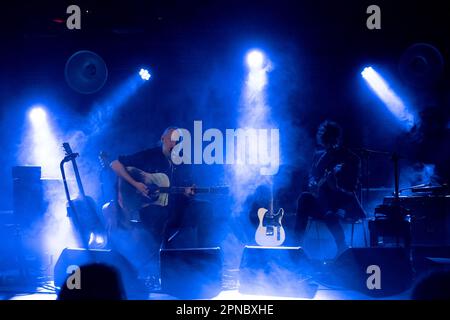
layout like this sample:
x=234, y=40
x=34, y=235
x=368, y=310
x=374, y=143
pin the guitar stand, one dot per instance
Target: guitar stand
x=366, y=155
x=168, y=238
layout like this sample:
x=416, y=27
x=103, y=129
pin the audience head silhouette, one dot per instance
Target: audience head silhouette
x=98, y=282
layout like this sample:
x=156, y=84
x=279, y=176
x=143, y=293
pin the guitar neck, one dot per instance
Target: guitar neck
x=271, y=197
x=78, y=178
x=183, y=190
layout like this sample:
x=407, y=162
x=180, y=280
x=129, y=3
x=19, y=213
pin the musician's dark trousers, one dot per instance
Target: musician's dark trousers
x=166, y=223
x=195, y=214
x=310, y=206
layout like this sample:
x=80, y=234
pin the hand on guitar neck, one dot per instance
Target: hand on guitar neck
x=190, y=191
x=154, y=189
x=145, y=191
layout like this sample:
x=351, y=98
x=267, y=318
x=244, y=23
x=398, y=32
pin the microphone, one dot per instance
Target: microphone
x=70, y=157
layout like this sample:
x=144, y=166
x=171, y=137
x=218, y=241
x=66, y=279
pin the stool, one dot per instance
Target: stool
x=343, y=221
x=400, y=229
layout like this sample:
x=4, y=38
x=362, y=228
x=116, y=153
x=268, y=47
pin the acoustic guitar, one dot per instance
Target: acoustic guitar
x=159, y=188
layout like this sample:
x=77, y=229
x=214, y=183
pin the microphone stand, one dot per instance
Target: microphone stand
x=395, y=158
x=393, y=215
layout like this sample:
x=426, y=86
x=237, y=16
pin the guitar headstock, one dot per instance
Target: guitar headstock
x=67, y=148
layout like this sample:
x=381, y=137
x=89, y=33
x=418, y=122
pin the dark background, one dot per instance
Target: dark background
x=195, y=51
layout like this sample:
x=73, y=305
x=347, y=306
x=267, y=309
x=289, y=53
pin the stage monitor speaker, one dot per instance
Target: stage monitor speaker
x=279, y=271
x=374, y=271
x=191, y=273
x=82, y=257
x=424, y=258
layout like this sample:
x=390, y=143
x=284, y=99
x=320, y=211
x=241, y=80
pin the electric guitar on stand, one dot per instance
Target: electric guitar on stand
x=270, y=231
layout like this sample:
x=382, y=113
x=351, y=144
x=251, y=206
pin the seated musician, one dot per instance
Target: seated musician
x=162, y=215
x=332, y=184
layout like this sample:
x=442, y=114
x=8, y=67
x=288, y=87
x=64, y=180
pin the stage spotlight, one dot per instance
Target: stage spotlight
x=388, y=96
x=102, y=114
x=40, y=146
x=145, y=75
x=255, y=59
x=38, y=116
x=41, y=142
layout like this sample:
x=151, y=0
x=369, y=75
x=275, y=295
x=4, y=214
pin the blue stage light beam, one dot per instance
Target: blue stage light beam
x=255, y=59
x=41, y=146
x=394, y=104
x=103, y=112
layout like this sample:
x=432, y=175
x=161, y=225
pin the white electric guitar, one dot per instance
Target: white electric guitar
x=270, y=231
